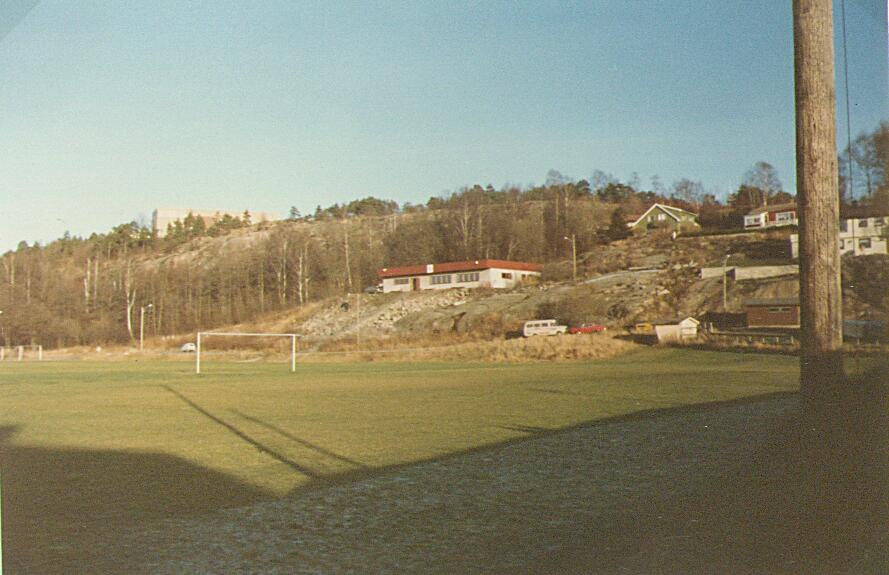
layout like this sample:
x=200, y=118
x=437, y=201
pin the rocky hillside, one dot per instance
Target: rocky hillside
x=626, y=281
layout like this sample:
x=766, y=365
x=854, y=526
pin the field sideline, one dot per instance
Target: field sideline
x=90, y=447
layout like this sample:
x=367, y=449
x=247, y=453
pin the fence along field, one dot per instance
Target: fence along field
x=88, y=449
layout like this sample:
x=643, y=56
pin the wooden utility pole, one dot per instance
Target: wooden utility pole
x=821, y=361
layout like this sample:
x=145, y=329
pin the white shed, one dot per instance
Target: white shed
x=677, y=331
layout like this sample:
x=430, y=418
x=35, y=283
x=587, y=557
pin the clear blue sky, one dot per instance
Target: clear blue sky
x=110, y=109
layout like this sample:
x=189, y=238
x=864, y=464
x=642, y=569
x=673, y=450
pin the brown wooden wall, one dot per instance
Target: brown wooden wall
x=770, y=316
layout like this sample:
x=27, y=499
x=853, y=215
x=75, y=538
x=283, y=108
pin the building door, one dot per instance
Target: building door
x=415, y=284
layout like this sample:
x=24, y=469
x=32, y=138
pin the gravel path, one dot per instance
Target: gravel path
x=587, y=499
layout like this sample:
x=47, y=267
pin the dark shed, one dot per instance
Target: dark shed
x=772, y=312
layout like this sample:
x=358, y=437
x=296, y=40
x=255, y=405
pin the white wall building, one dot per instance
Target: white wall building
x=677, y=331
x=771, y=217
x=162, y=217
x=858, y=236
x=470, y=274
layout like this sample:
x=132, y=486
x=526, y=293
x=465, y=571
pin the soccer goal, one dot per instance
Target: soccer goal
x=22, y=352
x=202, y=335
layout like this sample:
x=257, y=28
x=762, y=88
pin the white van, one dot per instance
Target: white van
x=543, y=327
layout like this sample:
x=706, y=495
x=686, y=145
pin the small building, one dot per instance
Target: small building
x=865, y=234
x=661, y=216
x=771, y=217
x=772, y=312
x=469, y=274
x=676, y=331
x=865, y=330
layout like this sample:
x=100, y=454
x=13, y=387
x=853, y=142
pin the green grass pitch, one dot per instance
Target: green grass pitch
x=88, y=447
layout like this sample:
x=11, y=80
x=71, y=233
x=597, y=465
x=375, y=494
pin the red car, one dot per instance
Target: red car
x=587, y=328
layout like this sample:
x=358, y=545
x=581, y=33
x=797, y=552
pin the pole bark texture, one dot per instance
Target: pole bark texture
x=821, y=365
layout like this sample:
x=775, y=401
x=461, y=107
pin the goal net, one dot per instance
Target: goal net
x=33, y=352
x=204, y=335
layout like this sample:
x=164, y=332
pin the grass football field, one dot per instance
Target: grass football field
x=93, y=447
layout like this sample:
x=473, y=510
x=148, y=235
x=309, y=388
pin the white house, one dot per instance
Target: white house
x=771, y=217
x=858, y=236
x=470, y=274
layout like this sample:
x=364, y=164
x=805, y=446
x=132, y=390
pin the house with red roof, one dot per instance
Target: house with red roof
x=468, y=274
x=771, y=217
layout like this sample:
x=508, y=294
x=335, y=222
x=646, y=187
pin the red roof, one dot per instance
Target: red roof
x=452, y=267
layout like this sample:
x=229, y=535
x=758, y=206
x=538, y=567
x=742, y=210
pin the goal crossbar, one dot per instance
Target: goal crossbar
x=292, y=336
x=18, y=351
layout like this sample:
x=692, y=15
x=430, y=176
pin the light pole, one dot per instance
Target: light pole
x=142, y=325
x=573, y=240
x=358, y=320
x=725, y=282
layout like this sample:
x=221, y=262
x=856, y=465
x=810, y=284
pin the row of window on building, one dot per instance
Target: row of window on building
x=462, y=278
x=446, y=278
x=862, y=223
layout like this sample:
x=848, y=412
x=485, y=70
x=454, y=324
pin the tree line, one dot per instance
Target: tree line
x=92, y=291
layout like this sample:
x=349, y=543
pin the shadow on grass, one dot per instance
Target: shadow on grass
x=237, y=432
x=307, y=444
x=812, y=497
x=62, y=508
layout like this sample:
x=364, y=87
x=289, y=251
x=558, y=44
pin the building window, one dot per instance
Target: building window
x=785, y=217
x=862, y=223
x=842, y=244
x=844, y=225
x=402, y=281
x=466, y=277
x=440, y=280
x=779, y=309
x=864, y=244
x=878, y=222
x=661, y=217
x=506, y=275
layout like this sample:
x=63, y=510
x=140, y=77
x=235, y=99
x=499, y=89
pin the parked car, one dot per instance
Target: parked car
x=543, y=327
x=587, y=328
x=189, y=347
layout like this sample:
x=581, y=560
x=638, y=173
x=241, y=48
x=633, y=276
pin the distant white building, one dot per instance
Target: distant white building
x=676, y=330
x=163, y=217
x=470, y=274
x=858, y=236
x=771, y=217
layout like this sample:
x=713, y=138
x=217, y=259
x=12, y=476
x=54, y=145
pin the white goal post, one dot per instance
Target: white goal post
x=18, y=352
x=292, y=336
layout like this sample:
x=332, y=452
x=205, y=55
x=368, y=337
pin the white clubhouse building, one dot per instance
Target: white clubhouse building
x=469, y=274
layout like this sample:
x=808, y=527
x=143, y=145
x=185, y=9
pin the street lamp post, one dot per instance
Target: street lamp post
x=142, y=325
x=573, y=240
x=725, y=282
x=358, y=320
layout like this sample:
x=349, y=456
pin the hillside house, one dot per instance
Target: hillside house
x=866, y=234
x=771, y=217
x=470, y=274
x=661, y=216
x=782, y=312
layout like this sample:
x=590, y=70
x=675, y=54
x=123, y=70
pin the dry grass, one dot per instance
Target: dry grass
x=457, y=348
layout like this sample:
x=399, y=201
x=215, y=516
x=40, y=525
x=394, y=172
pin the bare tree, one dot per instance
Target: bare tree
x=688, y=191
x=764, y=177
